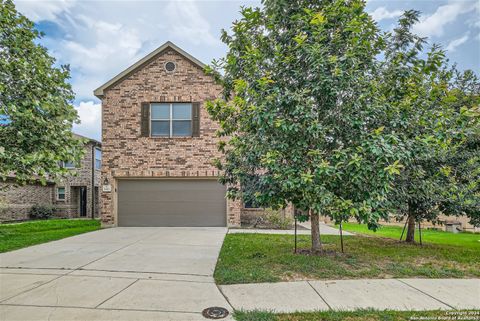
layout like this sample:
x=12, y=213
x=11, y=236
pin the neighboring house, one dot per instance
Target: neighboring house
x=74, y=196
x=159, y=143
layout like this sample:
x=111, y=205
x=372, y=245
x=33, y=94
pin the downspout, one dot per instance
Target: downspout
x=93, y=181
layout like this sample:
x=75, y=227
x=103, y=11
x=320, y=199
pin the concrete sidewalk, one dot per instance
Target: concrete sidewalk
x=303, y=230
x=381, y=294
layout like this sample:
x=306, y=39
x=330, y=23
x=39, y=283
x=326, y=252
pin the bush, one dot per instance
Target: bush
x=41, y=212
x=277, y=219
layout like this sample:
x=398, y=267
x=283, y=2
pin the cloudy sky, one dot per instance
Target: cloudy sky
x=99, y=39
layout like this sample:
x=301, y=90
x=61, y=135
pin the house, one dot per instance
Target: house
x=74, y=196
x=159, y=143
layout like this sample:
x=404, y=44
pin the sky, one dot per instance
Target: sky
x=99, y=39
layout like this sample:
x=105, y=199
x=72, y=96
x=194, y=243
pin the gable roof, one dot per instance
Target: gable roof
x=90, y=140
x=99, y=91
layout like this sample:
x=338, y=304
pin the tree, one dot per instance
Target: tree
x=434, y=115
x=36, y=114
x=297, y=110
x=463, y=166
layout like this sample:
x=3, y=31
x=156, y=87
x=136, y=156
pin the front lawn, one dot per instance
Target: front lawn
x=17, y=235
x=469, y=240
x=250, y=258
x=361, y=315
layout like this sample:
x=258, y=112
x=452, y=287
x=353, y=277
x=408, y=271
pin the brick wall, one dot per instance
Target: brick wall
x=16, y=201
x=127, y=154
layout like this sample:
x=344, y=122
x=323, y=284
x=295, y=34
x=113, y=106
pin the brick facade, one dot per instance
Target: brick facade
x=16, y=201
x=127, y=154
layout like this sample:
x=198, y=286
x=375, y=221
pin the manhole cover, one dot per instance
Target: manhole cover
x=215, y=313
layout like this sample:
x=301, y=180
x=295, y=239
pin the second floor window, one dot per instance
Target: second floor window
x=98, y=158
x=68, y=164
x=171, y=119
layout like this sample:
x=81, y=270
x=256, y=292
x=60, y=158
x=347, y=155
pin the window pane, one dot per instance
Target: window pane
x=250, y=204
x=182, y=128
x=69, y=164
x=61, y=193
x=182, y=111
x=160, y=128
x=98, y=158
x=160, y=111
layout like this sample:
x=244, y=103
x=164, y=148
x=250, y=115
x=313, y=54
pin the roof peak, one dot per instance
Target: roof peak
x=100, y=90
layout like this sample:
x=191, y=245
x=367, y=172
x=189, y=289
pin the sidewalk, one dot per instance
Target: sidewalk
x=381, y=294
x=302, y=230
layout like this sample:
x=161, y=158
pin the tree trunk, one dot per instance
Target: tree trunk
x=316, y=240
x=410, y=229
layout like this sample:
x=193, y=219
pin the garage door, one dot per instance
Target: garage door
x=171, y=202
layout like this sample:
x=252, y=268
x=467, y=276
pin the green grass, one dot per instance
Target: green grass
x=251, y=258
x=360, y=315
x=18, y=235
x=469, y=240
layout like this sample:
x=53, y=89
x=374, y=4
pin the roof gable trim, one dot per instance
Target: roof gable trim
x=99, y=92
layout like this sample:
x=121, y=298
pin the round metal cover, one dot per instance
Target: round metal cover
x=215, y=313
x=170, y=66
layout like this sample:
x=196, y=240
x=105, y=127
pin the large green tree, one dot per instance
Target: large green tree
x=434, y=111
x=462, y=167
x=36, y=114
x=298, y=112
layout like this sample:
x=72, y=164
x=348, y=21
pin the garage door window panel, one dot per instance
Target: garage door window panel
x=171, y=119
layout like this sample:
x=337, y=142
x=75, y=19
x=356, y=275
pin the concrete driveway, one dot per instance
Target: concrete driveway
x=114, y=274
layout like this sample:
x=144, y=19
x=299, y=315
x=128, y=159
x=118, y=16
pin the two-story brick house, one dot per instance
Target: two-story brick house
x=158, y=145
x=76, y=195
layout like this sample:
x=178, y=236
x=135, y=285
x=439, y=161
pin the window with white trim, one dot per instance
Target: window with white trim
x=171, y=119
x=61, y=193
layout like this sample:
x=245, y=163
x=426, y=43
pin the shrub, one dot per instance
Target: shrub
x=41, y=212
x=277, y=219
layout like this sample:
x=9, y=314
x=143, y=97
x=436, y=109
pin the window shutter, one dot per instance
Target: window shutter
x=196, y=119
x=145, y=120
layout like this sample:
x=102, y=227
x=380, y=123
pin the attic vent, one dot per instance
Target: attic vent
x=170, y=66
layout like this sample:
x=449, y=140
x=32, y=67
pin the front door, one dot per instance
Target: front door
x=83, y=201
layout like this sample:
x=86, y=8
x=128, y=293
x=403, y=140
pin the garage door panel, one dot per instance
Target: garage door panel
x=184, y=202
x=172, y=196
x=172, y=220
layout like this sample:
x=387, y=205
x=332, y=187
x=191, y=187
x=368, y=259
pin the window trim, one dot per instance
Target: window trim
x=171, y=120
x=64, y=194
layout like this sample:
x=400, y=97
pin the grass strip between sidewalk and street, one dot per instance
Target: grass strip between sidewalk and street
x=360, y=315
